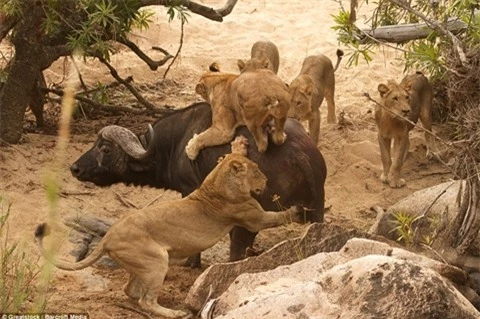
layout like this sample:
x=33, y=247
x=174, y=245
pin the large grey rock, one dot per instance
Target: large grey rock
x=439, y=206
x=365, y=279
x=317, y=238
x=440, y=200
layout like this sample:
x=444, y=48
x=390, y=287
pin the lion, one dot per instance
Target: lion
x=411, y=98
x=253, y=98
x=144, y=242
x=315, y=82
x=264, y=55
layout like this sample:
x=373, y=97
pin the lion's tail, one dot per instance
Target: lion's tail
x=98, y=252
x=339, y=59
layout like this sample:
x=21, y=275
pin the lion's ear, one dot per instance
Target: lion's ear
x=201, y=89
x=383, y=89
x=309, y=90
x=214, y=67
x=237, y=166
x=407, y=85
x=241, y=65
x=266, y=63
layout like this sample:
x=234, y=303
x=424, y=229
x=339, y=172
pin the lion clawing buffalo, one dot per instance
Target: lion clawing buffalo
x=295, y=170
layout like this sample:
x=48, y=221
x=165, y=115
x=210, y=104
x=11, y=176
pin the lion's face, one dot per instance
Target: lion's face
x=243, y=177
x=300, y=99
x=395, y=97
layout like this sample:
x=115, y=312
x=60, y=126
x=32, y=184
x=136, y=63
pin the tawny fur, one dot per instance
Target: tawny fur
x=412, y=98
x=264, y=55
x=315, y=82
x=144, y=242
x=252, y=98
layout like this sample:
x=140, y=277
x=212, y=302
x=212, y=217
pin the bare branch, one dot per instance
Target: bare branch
x=367, y=95
x=227, y=8
x=178, y=51
x=130, y=87
x=152, y=64
x=436, y=26
x=207, y=12
x=114, y=109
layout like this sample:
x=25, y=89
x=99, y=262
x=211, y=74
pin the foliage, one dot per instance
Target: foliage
x=104, y=21
x=427, y=54
x=18, y=272
x=404, y=227
x=409, y=228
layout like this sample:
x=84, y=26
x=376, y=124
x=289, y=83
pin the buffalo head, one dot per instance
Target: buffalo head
x=117, y=153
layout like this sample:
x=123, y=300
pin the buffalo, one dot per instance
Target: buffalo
x=295, y=170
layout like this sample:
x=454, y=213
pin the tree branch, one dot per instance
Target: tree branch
x=130, y=87
x=207, y=12
x=436, y=26
x=107, y=108
x=152, y=64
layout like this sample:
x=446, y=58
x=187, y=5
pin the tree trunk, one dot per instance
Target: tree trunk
x=31, y=57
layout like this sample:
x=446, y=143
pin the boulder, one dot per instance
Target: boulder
x=317, y=238
x=365, y=279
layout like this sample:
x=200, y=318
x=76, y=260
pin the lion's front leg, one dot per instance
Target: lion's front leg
x=384, y=144
x=259, y=135
x=314, y=126
x=399, y=153
x=257, y=220
x=221, y=132
x=278, y=134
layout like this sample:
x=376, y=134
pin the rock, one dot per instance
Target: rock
x=417, y=203
x=440, y=206
x=87, y=231
x=317, y=238
x=385, y=283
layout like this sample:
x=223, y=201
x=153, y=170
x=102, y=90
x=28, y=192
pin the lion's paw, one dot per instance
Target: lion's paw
x=384, y=178
x=239, y=145
x=191, y=149
x=279, y=139
x=397, y=183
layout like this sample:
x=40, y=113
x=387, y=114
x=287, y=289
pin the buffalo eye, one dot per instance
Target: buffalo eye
x=105, y=149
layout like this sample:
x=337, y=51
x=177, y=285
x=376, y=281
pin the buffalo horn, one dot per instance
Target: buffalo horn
x=128, y=141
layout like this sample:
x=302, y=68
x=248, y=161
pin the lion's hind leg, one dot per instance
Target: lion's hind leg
x=134, y=287
x=148, y=266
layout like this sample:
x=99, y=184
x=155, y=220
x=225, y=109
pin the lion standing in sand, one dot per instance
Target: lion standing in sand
x=315, y=82
x=412, y=98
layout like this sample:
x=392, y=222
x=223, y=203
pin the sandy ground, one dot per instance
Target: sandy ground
x=299, y=29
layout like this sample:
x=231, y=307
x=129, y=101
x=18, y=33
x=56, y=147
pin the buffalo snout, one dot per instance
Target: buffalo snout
x=76, y=170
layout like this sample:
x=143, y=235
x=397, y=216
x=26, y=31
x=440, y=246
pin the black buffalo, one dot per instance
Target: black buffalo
x=295, y=170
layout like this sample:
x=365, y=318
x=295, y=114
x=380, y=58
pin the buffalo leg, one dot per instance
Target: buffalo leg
x=240, y=240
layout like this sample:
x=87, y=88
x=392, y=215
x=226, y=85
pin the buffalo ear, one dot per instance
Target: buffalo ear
x=383, y=89
x=241, y=65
